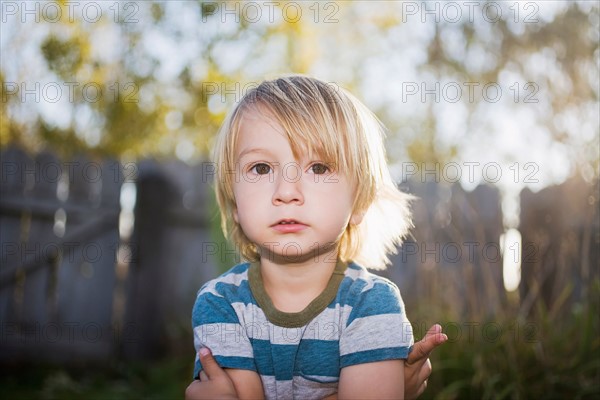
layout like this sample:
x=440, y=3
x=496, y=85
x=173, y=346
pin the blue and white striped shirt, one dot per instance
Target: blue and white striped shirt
x=365, y=322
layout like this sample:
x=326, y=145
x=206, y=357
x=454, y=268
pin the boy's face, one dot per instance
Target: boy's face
x=292, y=209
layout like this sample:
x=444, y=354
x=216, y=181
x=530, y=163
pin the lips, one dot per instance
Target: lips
x=288, y=225
x=287, y=221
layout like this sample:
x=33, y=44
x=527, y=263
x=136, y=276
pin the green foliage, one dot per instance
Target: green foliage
x=223, y=259
x=554, y=354
x=165, y=379
x=64, y=57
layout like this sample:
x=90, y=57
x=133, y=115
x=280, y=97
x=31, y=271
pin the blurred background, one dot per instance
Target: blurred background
x=108, y=221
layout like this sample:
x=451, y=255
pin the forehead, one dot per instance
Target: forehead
x=258, y=135
x=255, y=121
x=259, y=129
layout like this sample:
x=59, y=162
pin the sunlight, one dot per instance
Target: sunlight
x=510, y=243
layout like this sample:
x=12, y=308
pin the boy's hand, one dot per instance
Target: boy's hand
x=215, y=383
x=417, y=367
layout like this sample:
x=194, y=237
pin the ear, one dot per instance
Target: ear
x=357, y=217
x=235, y=216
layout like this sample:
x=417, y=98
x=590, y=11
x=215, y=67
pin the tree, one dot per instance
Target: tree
x=141, y=79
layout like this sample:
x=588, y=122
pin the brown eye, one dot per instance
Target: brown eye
x=319, y=169
x=261, y=169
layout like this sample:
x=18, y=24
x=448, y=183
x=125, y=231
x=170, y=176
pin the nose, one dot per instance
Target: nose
x=288, y=189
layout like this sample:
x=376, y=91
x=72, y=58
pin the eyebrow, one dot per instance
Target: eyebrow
x=254, y=150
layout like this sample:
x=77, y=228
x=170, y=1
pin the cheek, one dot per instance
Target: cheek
x=250, y=200
x=339, y=193
x=334, y=201
x=242, y=216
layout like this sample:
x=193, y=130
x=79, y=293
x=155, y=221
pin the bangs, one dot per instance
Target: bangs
x=318, y=121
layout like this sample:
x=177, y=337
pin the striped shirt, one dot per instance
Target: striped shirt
x=359, y=318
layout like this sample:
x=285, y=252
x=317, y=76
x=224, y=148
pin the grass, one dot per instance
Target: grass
x=553, y=354
x=166, y=379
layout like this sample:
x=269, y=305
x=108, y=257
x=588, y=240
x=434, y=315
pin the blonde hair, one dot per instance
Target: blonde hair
x=321, y=118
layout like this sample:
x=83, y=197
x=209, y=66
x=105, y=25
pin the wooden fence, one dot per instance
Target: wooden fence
x=73, y=287
x=453, y=255
x=560, y=228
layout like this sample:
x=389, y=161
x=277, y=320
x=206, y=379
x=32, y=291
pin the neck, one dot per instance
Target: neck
x=306, y=278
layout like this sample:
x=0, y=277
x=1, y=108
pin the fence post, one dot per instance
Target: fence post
x=149, y=263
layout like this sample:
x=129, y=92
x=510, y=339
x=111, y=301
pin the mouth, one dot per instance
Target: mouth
x=288, y=221
x=289, y=225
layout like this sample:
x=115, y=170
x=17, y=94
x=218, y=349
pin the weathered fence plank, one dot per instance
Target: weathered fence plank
x=560, y=231
x=86, y=278
x=42, y=246
x=12, y=188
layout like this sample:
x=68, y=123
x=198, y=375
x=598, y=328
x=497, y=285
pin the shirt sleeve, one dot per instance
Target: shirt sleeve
x=377, y=328
x=217, y=326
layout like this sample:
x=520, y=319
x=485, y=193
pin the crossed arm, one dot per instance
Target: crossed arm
x=384, y=379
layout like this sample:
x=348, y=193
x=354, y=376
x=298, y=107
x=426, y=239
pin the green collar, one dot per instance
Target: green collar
x=297, y=319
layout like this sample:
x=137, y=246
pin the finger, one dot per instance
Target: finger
x=192, y=390
x=435, y=332
x=420, y=353
x=209, y=364
x=419, y=391
x=422, y=389
x=425, y=371
x=203, y=376
x=423, y=348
